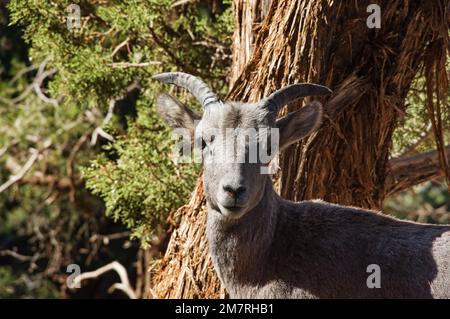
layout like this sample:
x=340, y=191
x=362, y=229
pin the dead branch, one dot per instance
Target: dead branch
x=70, y=166
x=112, y=103
x=30, y=87
x=159, y=42
x=23, y=72
x=99, y=130
x=25, y=168
x=124, y=285
x=107, y=238
x=407, y=171
x=412, y=149
x=3, y=150
x=121, y=45
x=124, y=65
x=37, y=83
x=15, y=255
x=180, y=3
x=60, y=183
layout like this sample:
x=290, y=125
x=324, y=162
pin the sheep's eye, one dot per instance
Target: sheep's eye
x=203, y=144
x=210, y=139
x=268, y=148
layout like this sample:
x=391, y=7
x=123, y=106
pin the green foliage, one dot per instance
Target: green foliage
x=416, y=122
x=144, y=185
x=154, y=33
x=427, y=203
x=133, y=178
x=119, y=43
x=13, y=285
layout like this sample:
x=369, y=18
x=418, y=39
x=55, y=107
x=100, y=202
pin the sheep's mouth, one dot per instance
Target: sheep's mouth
x=232, y=211
x=233, y=208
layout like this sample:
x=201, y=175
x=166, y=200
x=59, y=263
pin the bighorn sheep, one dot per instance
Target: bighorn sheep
x=263, y=246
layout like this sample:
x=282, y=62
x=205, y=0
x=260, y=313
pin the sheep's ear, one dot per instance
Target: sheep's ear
x=175, y=113
x=299, y=124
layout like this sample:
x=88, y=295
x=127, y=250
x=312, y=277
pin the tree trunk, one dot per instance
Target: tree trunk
x=248, y=15
x=347, y=160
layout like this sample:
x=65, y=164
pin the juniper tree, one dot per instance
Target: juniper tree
x=358, y=157
x=82, y=99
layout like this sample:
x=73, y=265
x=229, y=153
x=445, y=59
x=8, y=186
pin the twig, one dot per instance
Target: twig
x=124, y=285
x=3, y=150
x=106, y=238
x=112, y=103
x=209, y=44
x=407, y=171
x=22, y=258
x=15, y=178
x=70, y=161
x=16, y=255
x=25, y=168
x=180, y=3
x=6, y=101
x=172, y=56
x=22, y=96
x=37, y=86
x=412, y=149
x=22, y=72
x=60, y=183
x=124, y=65
x=123, y=43
x=99, y=130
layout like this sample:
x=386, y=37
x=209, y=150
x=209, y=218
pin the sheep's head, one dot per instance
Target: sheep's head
x=237, y=140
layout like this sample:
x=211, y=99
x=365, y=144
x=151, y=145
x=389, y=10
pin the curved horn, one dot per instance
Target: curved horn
x=194, y=85
x=293, y=92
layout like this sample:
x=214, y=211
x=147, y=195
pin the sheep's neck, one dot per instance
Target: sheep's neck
x=239, y=248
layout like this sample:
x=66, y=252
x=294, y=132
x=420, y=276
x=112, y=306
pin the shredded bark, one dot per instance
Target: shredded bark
x=347, y=160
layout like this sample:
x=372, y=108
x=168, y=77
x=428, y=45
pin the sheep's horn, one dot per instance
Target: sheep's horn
x=293, y=92
x=194, y=85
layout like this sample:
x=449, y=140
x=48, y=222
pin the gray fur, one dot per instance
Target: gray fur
x=263, y=246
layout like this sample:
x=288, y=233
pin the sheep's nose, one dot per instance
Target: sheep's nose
x=234, y=191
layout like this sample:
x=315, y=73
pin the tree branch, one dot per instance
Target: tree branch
x=185, y=67
x=25, y=168
x=38, y=83
x=15, y=178
x=125, y=65
x=60, y=183
x=411, y=149
x=99, y=130
x=112, y=103
x=121, y=45
x=407, y=171
x=124, y=285
x=23, y=72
